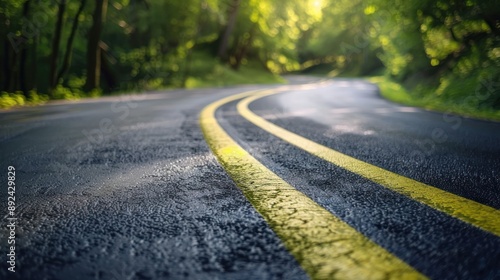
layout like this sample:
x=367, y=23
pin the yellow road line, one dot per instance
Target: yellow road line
x=479, y=215
x=325, y=246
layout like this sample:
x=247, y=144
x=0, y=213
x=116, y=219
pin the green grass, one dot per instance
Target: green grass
x=224, y=76
x=435, y=100
x=206, y=71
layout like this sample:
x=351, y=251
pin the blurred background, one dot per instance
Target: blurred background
x=421, y=52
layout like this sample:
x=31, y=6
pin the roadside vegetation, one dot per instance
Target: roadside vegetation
x=467, y=104
x=442, y=55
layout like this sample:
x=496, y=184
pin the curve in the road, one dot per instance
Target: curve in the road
x=325, y=246
x=469, y=211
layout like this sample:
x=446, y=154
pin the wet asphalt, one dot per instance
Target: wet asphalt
x=126, y=187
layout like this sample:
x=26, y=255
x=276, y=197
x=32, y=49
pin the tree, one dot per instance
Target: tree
x=69, y=45
x=56, y=40
x=13, y=43
x=23, y=83
x=228, y=30
x=93, y=48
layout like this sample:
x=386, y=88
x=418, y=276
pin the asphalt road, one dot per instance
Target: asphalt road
x=128, y=188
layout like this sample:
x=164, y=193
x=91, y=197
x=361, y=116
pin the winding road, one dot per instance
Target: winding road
x=319, y=178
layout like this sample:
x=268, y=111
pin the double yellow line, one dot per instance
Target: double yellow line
x=324, y=245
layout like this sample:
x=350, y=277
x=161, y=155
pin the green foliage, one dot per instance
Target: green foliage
x=16, y=99
x=440, y=50
x=35, y=98
x=395, y=91
x=211, y=73
x=470, y=97
x=61, y=92
x=8, y=100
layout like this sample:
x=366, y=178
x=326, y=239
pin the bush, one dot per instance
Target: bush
x=36, y=98
x=9, y=100
x=61, y=92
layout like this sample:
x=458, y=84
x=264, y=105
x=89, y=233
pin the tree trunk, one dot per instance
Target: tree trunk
x=189, y=57
x=13, y=70
x=69, y=45
x=5, y=77
x=106, y=70
x=93, y=49
x=242, y=52
x=34, y=65
x=56, y=40
x=233, y=12
x=24, y=55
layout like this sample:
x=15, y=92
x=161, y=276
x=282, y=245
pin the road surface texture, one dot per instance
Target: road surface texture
x=315, y=179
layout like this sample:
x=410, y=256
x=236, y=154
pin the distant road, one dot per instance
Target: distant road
x=319, y=178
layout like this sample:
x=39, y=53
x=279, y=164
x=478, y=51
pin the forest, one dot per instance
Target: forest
x=439, y=51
